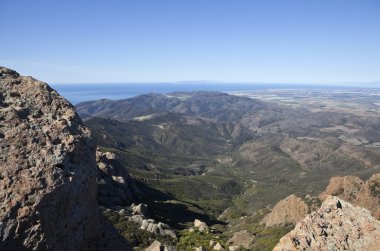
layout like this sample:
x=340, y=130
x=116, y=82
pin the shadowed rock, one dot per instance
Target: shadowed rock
x=47, y=172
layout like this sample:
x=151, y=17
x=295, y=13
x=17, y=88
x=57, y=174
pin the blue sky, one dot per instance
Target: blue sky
x=283, y=41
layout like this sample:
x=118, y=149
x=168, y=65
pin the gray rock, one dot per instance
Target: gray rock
x=158, y=246
x=218, y=247
x=202, y=226
x=140, y=209
x=155, y=246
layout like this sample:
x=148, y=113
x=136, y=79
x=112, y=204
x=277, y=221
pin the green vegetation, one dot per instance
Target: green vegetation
x=375, y=190
x=265, y=237
x=190, y=240
x=140, y=239
x=268, y=238
x=197, y=158
x=137, y=237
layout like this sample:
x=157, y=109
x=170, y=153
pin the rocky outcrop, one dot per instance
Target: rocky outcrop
x=337, y=225
x=200, y=225
x=140, y=209
x=47, y=172
x=289, y=210
x=360, y=193
x=139, y=215
x=115, y=186
x=152, y=226
x=158, y=246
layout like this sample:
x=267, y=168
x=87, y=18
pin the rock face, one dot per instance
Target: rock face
x=289, y=210
x=337, y=225
x=115, y=186
x=47, y=172
x=360, y=193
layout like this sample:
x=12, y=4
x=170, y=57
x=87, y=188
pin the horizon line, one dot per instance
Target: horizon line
x=348, y=83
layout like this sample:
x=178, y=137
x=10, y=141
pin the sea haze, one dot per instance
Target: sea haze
x=77, y=93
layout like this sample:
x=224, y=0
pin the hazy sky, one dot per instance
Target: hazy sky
x=308, y=41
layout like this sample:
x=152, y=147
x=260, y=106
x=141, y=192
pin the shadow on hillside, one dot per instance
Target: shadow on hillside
x=175, y=214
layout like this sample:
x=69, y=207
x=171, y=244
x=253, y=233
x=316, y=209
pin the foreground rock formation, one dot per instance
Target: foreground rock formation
x=47, y=172
x=289, y=210
x=337, y=225
x=360, y=193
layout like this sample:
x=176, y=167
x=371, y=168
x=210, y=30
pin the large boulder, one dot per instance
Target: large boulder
x=289, y=210
x=337, y=225
x=47, y=172
x=200, y=225
x=356, y=191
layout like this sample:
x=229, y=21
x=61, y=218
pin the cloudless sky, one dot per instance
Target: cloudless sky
x=294, y=41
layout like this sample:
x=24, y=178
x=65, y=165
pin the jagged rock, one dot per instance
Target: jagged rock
x=353, y=189
x=337, y=225
x=140, y=209
x=150, y=225
x=202, y=226
x=289, y=210
x=137, y=219
x=47, y=172
x=158, y=246
x=115, y=186
x=242, y=238
x=157, y=228
x=217, y=246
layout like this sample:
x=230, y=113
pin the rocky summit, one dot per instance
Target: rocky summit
x=289, y=210
x=356, y=191
x=47, y=172
x=337, y=225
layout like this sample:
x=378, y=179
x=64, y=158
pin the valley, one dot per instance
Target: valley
x=221, y=157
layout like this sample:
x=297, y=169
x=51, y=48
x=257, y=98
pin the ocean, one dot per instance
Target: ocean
x=77, y=93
